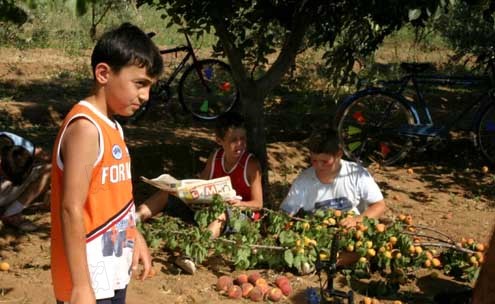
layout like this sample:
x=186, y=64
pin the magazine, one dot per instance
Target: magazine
x=194, y=190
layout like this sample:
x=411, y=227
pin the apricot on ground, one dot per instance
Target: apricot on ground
x=224, y=282
x=260, y=281
x=234, y=292
x=281, y=279
x=256, y=294
x=275, y=294
x=253, y=277
x=4, y=266
x=286, y=288
x=241, y=279
x=246, y=289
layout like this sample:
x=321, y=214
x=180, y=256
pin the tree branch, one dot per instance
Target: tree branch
x=441, y=244
x=232, y=52
x=287, y=53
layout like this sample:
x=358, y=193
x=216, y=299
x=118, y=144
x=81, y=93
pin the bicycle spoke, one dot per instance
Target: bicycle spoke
x=369, y=129
x=213, y=94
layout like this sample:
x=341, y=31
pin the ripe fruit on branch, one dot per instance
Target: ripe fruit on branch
x=380, y=228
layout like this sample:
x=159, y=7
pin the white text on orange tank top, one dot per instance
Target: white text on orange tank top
x=116, y=173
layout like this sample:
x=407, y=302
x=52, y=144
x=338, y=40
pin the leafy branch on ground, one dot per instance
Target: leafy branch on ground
x=282, y=242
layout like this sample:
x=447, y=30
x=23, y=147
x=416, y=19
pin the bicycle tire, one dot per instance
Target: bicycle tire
x=369, y=127
x=485, y=133
x=219, y=97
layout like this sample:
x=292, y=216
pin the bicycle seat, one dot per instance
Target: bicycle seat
x=413, y=68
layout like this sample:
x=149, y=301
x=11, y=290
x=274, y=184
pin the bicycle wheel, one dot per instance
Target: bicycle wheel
x=485, y=133
x=370, y=125
x=212, y=97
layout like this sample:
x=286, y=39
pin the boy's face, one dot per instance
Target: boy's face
x=234, y=142
x=326, y=165
x=127, y=90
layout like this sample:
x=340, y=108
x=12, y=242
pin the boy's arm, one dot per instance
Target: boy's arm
x=79, y=150
x=254, y=178
x=141, y=253
x=374, y=210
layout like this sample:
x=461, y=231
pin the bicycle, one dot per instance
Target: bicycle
x=379, y=124
x=206, y=88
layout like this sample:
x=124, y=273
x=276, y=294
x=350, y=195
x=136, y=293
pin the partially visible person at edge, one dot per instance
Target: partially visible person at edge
x=24, y=176
x=483, y=292
x=332, y=182
x=95, y=244
x=231, y=159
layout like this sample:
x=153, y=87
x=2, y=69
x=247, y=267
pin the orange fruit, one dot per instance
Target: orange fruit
x=393, y=240
x=436, y=262
x=480, y=247
x=4, y=266
x=427, y=263
x=380, y=228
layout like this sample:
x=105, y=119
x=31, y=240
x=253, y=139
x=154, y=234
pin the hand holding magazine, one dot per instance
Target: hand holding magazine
x=194, y=190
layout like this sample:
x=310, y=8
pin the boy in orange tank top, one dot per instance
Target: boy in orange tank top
x=94, y=240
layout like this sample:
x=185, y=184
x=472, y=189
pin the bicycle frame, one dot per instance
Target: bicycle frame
x=189, y=54
x=425, y=117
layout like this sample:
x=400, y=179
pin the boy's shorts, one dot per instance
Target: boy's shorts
x=118, y=298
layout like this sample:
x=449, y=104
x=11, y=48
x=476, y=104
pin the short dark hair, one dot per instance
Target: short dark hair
x=229, y=120
x=17, y=163
x=127, y=45
x=326, y=141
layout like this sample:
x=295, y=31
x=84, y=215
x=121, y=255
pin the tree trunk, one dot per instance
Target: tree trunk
x=252, y=109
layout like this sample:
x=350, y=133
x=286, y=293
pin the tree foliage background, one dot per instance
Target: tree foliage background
x=262, y=39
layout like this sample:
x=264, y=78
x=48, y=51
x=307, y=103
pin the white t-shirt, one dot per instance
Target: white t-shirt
x=352, y=189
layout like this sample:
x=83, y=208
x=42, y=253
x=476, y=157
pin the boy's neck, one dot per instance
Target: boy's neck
x=98, y=101
x=328, y=177
x=228, y=162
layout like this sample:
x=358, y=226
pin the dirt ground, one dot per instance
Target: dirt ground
x=446, y=190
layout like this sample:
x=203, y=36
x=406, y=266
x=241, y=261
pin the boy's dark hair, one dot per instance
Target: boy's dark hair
x=326, y=141
x=127, y=45
x=226, y=121
x=17, y=163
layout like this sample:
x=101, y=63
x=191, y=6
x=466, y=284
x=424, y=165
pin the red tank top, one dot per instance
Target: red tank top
x=238, y=174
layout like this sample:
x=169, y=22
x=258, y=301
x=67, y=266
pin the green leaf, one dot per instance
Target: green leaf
x=288, y=257
x=414, y=14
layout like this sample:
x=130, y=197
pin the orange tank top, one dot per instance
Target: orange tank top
x=109, y=212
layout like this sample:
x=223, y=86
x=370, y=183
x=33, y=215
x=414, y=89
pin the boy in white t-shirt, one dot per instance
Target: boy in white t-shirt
x=332, y=182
